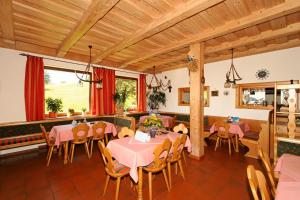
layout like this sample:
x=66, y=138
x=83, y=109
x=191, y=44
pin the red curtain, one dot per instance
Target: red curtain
x=102, y=99
x=142, y=93
x=34, y=88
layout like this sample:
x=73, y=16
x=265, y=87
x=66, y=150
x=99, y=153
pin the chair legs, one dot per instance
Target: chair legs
x=150, y=185
x=91, y=150
x=230, y=142
x=87, y=149
x=49, y=154
x=170, y=176
x=166, y=179
x=181, y=168
x=106, y=184
x=118, y=188
x=229, y=146
x=217, y=143
x=72, y=149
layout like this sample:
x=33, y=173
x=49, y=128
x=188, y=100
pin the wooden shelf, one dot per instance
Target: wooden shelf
x=290, y=140
x=296, y=113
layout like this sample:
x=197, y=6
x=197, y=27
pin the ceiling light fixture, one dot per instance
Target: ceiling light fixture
x=85, y=76
x=231, y=76
x=156, y=84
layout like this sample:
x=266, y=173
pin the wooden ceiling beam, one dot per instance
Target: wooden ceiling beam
x=181, y=12
x=162, y=62
x=266, y=35
x=6, y=23
x=263, y=15
x=268, y=48
x=96, y=10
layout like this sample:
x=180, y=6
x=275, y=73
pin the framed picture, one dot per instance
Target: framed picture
x=215, y=93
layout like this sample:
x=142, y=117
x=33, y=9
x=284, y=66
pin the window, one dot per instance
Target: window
x=131, y=85
x=63, y=84
x=258, y=95
x=184, y=96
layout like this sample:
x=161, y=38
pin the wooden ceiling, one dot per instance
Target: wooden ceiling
x=137, y=34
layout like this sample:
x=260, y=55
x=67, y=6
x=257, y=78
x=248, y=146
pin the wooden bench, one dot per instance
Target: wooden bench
x=253, y=140
x=20, y=134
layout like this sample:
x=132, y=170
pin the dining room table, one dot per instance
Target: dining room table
x=62, y=134
x=236, y=128
x=167, y=121
x=288, y=167
x=136, y=154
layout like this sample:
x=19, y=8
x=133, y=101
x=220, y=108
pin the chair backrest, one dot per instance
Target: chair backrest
x=84, y=129
x=125, y=131
x=107, y=157
x=99, y=130
x=180, y=128
x=257, y=183
x=178, y=146
x=222, y=128
x=45, y=134
x=267, y=164
x=161, y=153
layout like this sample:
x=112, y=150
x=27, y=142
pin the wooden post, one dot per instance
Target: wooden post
x=197, y=100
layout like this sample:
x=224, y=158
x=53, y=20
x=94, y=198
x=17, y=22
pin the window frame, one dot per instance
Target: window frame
x=137, y=87
x=187, y=90
x=47, y=67
x=241, y=87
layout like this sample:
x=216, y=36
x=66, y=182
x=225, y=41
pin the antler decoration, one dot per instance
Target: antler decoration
x=192, y=63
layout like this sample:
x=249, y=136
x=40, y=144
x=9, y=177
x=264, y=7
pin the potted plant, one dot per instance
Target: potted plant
x=155, y=99
x=83, y=111
x=53, y=106
x=71, y=111
x=119, y=99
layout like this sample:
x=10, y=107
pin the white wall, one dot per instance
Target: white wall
x=283, y=65
x=12, y=74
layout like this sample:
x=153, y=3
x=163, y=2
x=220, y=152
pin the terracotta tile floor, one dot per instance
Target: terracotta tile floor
x=216, y=176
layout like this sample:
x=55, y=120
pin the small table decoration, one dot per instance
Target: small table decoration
x=152, y=124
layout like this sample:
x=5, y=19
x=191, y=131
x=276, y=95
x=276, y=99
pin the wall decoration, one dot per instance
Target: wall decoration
x=262, y=74
x=226, y=92
x=215, y=93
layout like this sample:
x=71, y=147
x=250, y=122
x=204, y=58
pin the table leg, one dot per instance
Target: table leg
x=236, y=143
x=140, y=184
x=66, y=145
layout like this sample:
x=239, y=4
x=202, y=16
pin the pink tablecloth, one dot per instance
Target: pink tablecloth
x=288, y=187
x=235, y=128
x=64, y=133
x=134, y=154
x=167, y=121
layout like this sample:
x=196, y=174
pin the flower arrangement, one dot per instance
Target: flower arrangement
x=152, y=121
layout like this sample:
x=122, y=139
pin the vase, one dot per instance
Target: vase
x=52, y=114
x=152, y=132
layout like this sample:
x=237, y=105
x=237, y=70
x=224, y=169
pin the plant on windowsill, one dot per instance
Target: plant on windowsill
x=71, y=111
x=156, y=98
x=53, y=106
x=119, y=99
x=83, y=111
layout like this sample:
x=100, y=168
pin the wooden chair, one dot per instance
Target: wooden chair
x=80, y=139
x=223, y=134
x=50, y=143
x=175, y=157
x=159, y=164
x=112, y=167
x=257, y=183
x=181, y=128
x=98, y=134
x=125, y=132
x=267, y=164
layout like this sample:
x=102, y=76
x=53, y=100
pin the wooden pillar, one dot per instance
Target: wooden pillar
x=197, y=100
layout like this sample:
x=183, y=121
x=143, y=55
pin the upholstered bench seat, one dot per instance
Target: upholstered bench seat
x=252, y=135
x=6, y=143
